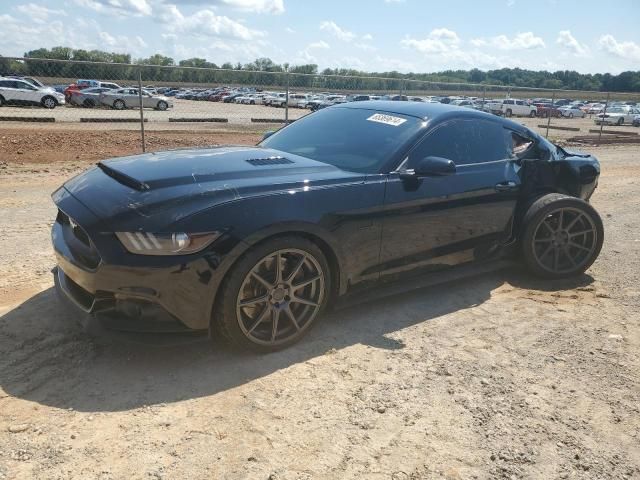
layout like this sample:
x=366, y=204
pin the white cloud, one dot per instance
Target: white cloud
x=254, y=6
x=365, y=46
x=568, y=41
x=38, y=13
x=205, y=23
x=367, y=37
x=122, y=43
x=627, y=50
x=289, y=30
x=321, y=44
x=522, y=41
x=118, y=7
x=394, y=1
x=341, y=34
x=440, y=40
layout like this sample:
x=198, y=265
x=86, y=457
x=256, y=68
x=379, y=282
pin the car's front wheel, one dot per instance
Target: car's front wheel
x=273, y=295
x=620, y=121
x=119, y=105
x=162, y=105
x=562, y=236
x=532, y=114
x=49, y=102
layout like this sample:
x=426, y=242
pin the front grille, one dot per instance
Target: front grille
x=79, y=243
x=257, y=162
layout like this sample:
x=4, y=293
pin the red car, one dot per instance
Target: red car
x=547, y=109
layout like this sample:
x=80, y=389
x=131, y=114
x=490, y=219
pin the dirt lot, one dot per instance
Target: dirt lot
x=497, y=376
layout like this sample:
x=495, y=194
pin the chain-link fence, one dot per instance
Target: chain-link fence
x=150, y=96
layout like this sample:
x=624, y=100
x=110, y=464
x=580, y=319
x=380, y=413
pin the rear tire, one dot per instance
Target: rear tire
x=532, y=114
x=2, y=101
x=561, y=236
x=570, y=115
x=508, y=113
x=264, y=308
x=620, y=121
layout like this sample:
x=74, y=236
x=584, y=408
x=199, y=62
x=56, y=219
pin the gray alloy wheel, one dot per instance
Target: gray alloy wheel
x=508, y=113
x=570, y=114
x=119, y=105
x=49, y=102
x=280, y=297
x=532, y=114
x=162, y=105
x=620, y=121
x=562, y=236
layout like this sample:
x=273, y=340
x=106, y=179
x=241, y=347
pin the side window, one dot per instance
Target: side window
x=519, y=102
x=519, y=146
x=465, y=142
x=508, y=102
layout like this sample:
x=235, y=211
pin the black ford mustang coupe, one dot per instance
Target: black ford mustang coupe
x=253, y=243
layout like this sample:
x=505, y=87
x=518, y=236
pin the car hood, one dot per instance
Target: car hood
x=140, y=191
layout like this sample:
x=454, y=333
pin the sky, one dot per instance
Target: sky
x=372, y=35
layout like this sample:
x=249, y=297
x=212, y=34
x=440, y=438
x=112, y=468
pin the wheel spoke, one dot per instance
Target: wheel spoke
x=278, y=268
x=551, y=230
x=581, y=247
x=254, y=301
x=560, y=220
x=261, y=318
x=292, y=317
x=297, y=268
x=262, y=280
x=582, y=232
x=546, y=252
x=565, y=249
x=556, y=258
x=274, y=327
x=543, y=240
x=304, y=283
x=574, y=221
x=304, y=301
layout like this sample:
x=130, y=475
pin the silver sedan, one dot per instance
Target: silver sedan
x=88, y=97
x=130, y=98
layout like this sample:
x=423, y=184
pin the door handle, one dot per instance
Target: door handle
x=506, y=187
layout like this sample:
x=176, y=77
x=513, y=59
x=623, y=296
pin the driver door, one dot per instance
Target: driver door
x=440, y=221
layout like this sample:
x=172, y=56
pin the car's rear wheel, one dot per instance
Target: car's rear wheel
x=508, y=113
x=49, y=102
x=570, y=115
x=162, y=105
x=562, y=236
x=532, y=113
x=620, y=121
x=273, y=295
x=2, y=101
x=119, y=105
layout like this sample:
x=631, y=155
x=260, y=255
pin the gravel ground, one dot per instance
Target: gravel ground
x=496, y=376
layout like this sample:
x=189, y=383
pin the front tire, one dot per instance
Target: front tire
x=561, y=236
x=162, y=105
x=119, y=105
x=620, y=121
x=49, y=102
x=532, y=114
x=272, y=297
x=508, y=113
x=2, y=101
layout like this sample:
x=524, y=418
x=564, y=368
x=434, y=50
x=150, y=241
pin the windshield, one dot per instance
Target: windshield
x=352, y=139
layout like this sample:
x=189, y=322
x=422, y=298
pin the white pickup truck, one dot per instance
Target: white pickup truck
x=510, y=107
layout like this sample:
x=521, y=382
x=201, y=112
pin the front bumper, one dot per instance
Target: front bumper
x=141, y=293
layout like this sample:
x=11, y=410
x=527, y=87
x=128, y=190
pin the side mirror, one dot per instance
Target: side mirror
x=434, y=167
x=267, y=134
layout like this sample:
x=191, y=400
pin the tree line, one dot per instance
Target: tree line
x=263, y=71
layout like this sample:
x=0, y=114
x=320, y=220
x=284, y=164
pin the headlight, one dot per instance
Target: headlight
x=143, y=243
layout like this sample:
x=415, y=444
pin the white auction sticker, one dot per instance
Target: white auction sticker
x=386, y=119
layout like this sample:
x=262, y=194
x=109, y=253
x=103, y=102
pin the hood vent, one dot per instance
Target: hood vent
x=258, y=162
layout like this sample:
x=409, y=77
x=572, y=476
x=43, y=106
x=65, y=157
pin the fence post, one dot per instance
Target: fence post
x=144, y=147
x=604, y=112
x=286, y=104
x=553, y=99
x=484, y=97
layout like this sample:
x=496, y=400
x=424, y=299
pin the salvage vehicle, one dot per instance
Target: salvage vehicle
x=88, y=97
x=510, y=107
x=253, y=243
x=616, y=116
